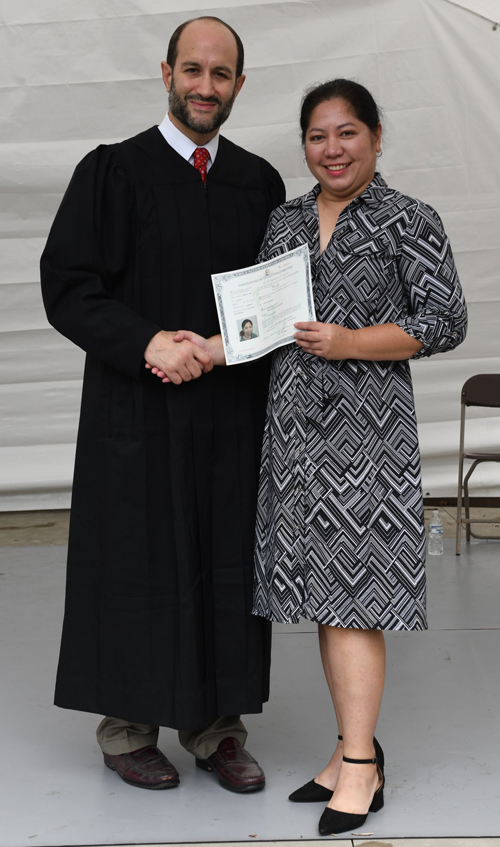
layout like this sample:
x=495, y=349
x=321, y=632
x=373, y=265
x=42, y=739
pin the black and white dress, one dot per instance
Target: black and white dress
x=340, y=532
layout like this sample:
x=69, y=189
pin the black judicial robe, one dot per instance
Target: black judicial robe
x=157, y=626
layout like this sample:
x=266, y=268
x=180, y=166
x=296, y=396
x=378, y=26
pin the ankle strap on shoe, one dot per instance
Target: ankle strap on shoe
x=373, y=761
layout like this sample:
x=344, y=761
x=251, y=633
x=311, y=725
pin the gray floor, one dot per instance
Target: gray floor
x=439, y=727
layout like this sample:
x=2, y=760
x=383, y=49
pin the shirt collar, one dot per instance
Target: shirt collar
x=183, y=145
x=372, y=195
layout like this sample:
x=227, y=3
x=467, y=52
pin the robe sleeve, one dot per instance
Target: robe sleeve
x=86, y=268
x=268, y=241
x=276, y=191
x=437, y=314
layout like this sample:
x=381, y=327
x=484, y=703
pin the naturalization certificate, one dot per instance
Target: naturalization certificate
x=258, y=306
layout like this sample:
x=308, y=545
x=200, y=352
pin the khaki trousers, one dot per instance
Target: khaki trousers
x=116, y=736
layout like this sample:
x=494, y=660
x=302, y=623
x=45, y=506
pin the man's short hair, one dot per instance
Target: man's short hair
x=174, y=41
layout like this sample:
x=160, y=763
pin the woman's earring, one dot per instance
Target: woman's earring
x=379, y=153
x=304, y=160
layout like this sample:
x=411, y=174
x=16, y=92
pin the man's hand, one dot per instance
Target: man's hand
x=177, y=362
x=212, y=346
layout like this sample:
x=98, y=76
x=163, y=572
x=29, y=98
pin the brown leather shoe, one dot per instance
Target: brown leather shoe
x=144, y=768
x=236, y=769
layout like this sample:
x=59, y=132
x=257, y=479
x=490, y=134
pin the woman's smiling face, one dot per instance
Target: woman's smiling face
x=340, y=150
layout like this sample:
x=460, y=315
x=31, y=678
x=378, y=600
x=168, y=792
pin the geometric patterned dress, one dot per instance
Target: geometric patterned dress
x=340, y=535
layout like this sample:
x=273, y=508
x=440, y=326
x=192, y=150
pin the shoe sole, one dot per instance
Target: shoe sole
x=247, y=789
x=162, y=786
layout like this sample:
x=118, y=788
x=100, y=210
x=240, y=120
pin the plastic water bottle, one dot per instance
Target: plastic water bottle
x=435, y=546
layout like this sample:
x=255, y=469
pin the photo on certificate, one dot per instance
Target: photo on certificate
x=258, y=306
x=249, y=328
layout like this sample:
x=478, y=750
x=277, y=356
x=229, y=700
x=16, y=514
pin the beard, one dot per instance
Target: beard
x=204, y=124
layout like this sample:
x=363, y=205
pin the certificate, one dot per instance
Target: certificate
x=258, y=306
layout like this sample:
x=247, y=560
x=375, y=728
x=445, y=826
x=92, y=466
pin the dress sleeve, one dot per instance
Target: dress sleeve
x=85, y=267
x=437, y=314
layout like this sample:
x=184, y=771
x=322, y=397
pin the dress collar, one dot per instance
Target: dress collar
x=372, y=195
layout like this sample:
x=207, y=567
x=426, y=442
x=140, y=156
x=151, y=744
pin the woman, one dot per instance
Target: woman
x=246, y=332
x=340, y=526
x=340, y=530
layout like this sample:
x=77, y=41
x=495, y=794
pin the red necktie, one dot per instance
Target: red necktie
x=201, y=157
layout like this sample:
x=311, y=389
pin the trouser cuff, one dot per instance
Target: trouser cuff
x=203, y=742
x=117, y=736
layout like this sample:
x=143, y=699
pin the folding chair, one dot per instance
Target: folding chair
x=480, y=390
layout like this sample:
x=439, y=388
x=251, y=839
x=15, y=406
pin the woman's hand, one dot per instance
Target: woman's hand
x=327, y=340
x=176, y=362
x=212, y=346
x=383, y=342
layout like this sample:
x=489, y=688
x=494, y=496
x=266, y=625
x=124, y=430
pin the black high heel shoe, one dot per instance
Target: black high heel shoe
x=333, y=821
x=313, y=792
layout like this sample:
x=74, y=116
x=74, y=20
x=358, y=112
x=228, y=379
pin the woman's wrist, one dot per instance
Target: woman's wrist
x=382, y=342
x=348, y=343
x=217, y=350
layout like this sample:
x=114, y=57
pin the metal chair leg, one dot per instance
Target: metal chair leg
x=466, y=500
x=458, y=540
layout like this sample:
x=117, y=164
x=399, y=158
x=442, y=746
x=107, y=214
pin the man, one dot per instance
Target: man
x=157, y=629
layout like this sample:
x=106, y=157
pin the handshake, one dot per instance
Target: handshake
x=182, y=356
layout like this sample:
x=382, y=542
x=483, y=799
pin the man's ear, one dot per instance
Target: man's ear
x=239, y=83
x=166, y=72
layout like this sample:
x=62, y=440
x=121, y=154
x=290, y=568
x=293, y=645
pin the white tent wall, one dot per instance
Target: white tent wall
x=74, y=75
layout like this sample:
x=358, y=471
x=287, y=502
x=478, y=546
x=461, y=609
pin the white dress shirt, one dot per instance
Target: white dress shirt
x=183, y=145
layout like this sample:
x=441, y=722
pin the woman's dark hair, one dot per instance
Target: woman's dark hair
x=174, y=41
x=246, y=321
x=355, y=95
